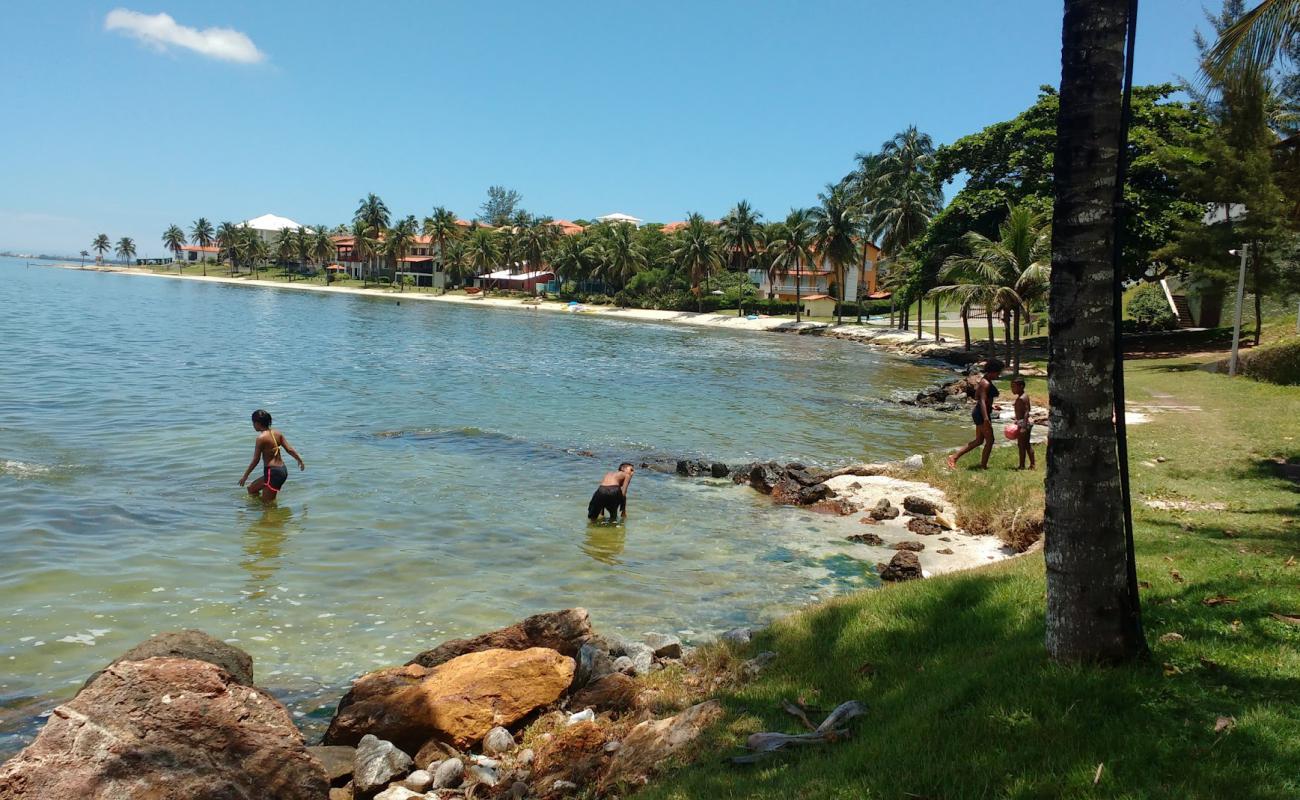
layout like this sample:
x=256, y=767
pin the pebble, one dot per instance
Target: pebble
x=498, y=740
x=624, y=664
x=525, y=757
x=586, y=715
x=484, y=775
x=418, y=781
x=612, y=747
x=664, y=645
x=449, y=774
x=399, y=793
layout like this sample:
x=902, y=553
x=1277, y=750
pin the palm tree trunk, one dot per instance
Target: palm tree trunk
x=1092, y=614
x=1015, y=369
x=798, y=296
x=1006, y=335
x=891, y=311
x=936, y=319
x=965, y=325
x=1254, y=279
x=993, y=342
x=920, y=315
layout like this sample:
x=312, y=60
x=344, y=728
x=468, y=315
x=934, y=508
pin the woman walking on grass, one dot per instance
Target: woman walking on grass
x=982, y=415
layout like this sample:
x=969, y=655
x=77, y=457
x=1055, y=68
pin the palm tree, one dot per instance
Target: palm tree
x=742, y=236
x=255, y=248
x=372, y=211
x=364, y=246
x=483, y=252
x=791, y=247
x=534, y=241
x=126, y=248
x=573, y=258
x=622, y=255
x=697, y=252
x=286, y=248
x=1254, y=41
x=227, y=239
x=455, y=260
x=322, y=249
x=84, y=254
x=441, y=228
x=836, y=226
x=101, y=246
x=397, y=243
x=1007, y=275
x=201, y=234
x=1093, y=613
x=174, y=239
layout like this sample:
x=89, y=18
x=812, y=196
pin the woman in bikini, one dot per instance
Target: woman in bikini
x=267, y=449
x=982, y=415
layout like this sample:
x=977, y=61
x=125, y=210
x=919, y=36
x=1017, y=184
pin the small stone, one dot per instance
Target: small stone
x=484, y=775
x=624, y=665
x=915, y=547
x=594, y=663
x=1161, y=459
x=433, y=753
x=868, y=539
x=484, y=761
x=418, y=781
x=519, y=790
x=884, y=510
x=914, y=462
x=498, y=740
x=922, y=526
x=611, y=747
x=664, y=645
x=378, y=762
x=1171, y=637
x=719, y=470
x=738, y=636
x=642, y=656
x=341, y=793
x=525, y=757
x=921, y=505
x=449, y=774
x=758, y=663
x=585, y=715
x=943, y=522
x=947, y=551
x=564, y=786
x=945, y=538
x=399, y=793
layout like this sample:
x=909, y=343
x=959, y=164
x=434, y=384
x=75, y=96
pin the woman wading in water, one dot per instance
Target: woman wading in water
x=982, y=415
x=267, y=449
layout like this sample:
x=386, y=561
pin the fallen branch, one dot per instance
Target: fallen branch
x=763, y=744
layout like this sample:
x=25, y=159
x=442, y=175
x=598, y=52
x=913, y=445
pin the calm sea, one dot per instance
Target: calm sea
x=445, y=491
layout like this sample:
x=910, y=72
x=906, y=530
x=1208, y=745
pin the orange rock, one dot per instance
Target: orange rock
x=458, y=701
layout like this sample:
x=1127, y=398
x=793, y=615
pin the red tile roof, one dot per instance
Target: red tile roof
x=199, y=249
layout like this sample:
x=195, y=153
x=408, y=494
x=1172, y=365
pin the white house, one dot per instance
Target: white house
x=618, y=216
x=268, y=226
x=195, y=253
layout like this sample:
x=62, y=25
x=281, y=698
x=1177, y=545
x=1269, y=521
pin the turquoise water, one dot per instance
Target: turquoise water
x=445, y=492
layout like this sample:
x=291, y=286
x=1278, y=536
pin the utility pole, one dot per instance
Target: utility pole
x=1241, y=292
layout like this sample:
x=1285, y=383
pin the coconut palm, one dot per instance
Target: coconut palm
x=174, y=239
x=455, y=260
x=202, y=235
x=697, y=253
x=126, y=248
x=364, y=246
x=1252, y=44
x=372, y=211
x=286, y=248
x=836, y=226
x=791, y=248
x=322, y=250
x=621, y=255
x=573, y=258
x=84, y=254
x=441, y=228
x=100, y=245
x=741, y=234
x=483, y=251
x=254, y=248
x=227, y=238
x=1007, y=275
x=397, y=244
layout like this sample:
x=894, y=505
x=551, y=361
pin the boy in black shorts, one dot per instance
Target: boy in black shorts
x=611, y=496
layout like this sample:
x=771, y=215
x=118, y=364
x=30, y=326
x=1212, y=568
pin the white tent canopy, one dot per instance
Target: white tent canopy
x=272, y=223
x=619, y=216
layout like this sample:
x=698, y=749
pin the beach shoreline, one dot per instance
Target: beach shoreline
x=901, y=342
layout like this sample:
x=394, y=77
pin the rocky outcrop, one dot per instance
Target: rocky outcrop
x=650, y=743
x=192, y=644
x=166, y=729
x=458, y=701
x=562, y=631
x=904, y=566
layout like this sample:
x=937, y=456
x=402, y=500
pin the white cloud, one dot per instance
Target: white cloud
x=163, y=32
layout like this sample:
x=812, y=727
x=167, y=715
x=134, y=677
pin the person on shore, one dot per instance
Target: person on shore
x=982, y=415
x=1023, y=426
x=267, y=448
x=611, y=496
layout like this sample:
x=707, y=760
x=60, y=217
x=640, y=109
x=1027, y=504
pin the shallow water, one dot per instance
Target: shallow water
x=445, y=492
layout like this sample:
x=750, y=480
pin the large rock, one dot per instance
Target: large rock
x=664, y=645
x=807, y=476
x=763, y=476
x=458, y=701
x=377, y=763
x=861, y=470
x=884, y=510
x=563, y=631
x=904, y=566
x=915, y=547
x=921, y=505
x=651, y=742
x=338, y=760
x=616, y=692
x=166, y=729
x=594, y=663
x=924, y=527
x=192, y=644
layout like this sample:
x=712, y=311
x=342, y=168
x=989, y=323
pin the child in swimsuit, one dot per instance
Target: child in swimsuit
x=1023, y=425
x=982, y=415
x=267, y=449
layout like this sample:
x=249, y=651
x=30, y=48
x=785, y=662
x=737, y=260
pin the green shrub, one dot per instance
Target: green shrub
x=1275, y=363
x=1150, y=309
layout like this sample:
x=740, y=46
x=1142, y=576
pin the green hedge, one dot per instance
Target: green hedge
x=1149, y=309
x=1275, y=363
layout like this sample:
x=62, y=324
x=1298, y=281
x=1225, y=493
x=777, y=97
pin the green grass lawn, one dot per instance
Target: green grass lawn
x=963, y=701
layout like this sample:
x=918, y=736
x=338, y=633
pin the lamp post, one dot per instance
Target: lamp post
x=1236, y=326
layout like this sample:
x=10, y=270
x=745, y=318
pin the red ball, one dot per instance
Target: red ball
x=1012, y=431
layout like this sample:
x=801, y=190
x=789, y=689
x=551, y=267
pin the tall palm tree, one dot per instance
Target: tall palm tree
x=202, y=235
x=1007, y=275
x=622, y=256
x=1093, y=613
x=100, y=245
x=483, y=251
x=742, y=236
x=697, y=253
x=322, y=250
x=535, y=240
x=791, y=247
x=84, y=254
x=372, y=211
x=364, y=246
x=1254, y=42
x=126, y=248
x=441, y=228
x=455, y=260
x=573, y=258
x=836, y=227
x=227, y=238
x=286, y=248
x=174, y=239
x=397, y=244
x=255, y=249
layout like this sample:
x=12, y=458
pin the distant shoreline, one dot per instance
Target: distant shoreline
x=902, y=342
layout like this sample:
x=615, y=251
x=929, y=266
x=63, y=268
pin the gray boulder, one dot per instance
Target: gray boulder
x=377, y=763
x=738, y=636
x=664, y=645
x=594, y=663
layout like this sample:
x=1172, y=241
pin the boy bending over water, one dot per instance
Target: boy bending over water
x=611, y=495
x=267, y=448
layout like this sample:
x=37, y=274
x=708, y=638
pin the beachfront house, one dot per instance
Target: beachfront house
x=193, y=253
x=618, y=216
x=815, y=285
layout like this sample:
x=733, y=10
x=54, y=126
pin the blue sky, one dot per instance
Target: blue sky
x=585, y=108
